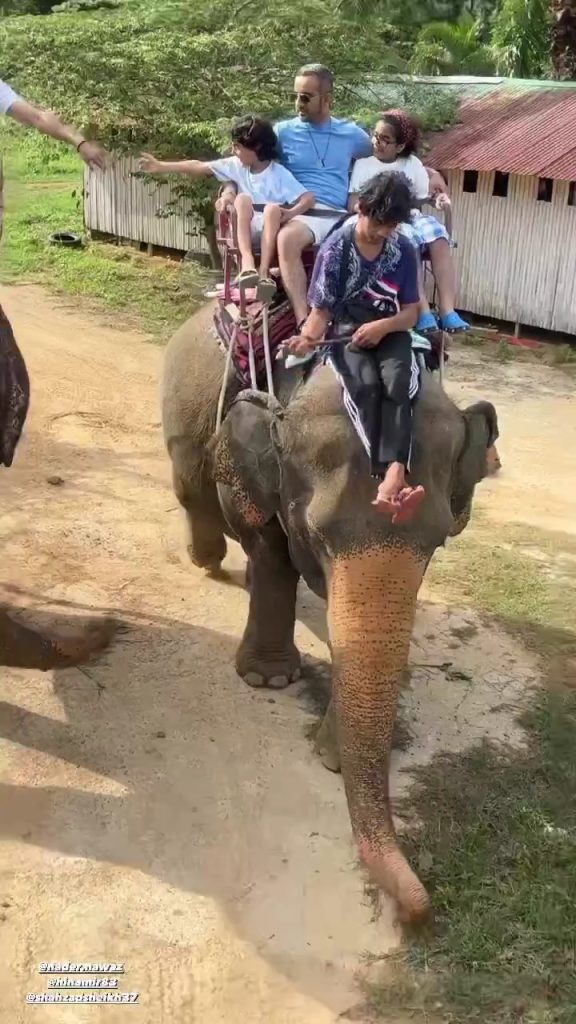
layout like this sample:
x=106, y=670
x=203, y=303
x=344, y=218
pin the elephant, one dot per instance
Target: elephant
x=288, y=478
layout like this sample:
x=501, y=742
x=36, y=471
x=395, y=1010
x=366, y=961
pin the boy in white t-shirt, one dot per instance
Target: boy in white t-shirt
x=265, y=194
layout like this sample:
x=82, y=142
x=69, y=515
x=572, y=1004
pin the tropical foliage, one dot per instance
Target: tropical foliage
x=168, y=75
x=522, y=38
x=516, y=38
x=452, y=49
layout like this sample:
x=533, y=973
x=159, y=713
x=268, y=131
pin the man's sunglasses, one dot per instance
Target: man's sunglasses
x=304, y=97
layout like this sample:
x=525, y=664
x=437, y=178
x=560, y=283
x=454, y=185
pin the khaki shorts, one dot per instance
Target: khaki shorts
x=320, y=226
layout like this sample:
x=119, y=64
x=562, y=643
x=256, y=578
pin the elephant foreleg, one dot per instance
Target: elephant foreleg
x=196, y=492
x=267, y=655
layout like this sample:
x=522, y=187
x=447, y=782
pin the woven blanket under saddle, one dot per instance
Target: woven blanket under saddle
x=247, y=336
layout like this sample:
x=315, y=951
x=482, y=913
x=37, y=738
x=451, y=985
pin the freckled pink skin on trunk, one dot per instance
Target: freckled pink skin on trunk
x=372, y=602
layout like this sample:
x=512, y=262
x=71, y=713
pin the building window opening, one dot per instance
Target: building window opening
x=545, y=190
x=470, y=183
x=500, y=186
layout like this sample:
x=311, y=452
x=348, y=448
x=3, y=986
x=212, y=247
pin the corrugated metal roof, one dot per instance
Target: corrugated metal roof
x=514, y=129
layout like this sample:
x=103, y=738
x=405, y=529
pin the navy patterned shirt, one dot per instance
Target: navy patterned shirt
x=386, y=283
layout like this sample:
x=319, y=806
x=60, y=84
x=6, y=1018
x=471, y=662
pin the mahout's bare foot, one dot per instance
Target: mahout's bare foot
x=409, y=499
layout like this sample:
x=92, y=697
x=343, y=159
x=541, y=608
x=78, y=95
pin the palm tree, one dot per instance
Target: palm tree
x=564, y=39
x=452, y=49
x=521, y=38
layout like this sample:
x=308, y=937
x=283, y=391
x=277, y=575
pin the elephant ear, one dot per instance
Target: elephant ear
x=245, y=456
x=481, y=432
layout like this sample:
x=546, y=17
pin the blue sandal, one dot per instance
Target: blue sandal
x=452, y=322
x=426, y=322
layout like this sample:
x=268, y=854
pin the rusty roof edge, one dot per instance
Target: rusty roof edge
x=491, y=131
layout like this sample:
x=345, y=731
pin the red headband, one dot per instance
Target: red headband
x=407, y=126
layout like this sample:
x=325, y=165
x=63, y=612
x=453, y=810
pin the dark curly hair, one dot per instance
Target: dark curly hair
x=256, y=133
x=406, y=130
x=387, y=198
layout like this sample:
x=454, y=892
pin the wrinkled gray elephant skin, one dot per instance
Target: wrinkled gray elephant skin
x=290, y=480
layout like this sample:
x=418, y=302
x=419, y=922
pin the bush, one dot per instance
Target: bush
x=169, y=75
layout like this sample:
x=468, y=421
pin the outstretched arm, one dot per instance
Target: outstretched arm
x=48, y=123
x=195, y=168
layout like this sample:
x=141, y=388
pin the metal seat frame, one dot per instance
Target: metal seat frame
x=428, y=275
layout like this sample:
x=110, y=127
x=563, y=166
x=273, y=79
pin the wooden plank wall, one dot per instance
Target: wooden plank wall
x=119, y=204
x=516, y=254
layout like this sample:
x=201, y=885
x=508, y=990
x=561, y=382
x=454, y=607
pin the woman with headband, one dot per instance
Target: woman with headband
x=396, y=139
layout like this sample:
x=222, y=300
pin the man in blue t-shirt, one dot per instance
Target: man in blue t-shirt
x=365, y=288
x=319, y=150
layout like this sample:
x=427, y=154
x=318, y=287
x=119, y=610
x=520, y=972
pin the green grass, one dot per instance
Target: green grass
x=495, y=841
x=564, y=354
x=44, y=195
x=527, y=582
x=497, y=849
x=512, y=580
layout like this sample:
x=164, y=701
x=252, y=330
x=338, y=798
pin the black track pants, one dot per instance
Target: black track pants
x=380, y=384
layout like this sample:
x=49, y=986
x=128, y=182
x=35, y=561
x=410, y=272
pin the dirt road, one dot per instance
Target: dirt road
x=153, y=809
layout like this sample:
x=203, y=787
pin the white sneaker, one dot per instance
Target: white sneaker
x=297, y=360
x=216, y=292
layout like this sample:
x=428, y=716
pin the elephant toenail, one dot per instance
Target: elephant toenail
x=278, y=682
x=254, y=679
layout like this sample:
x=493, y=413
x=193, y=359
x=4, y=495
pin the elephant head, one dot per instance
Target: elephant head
x=304, y=466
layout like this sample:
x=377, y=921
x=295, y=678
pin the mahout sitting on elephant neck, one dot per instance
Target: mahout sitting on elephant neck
x=365, y=282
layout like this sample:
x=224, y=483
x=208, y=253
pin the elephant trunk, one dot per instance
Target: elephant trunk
x=372, y=601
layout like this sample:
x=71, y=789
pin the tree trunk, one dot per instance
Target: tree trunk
x=212, y=245
x=564, y=39
x=372, y=601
